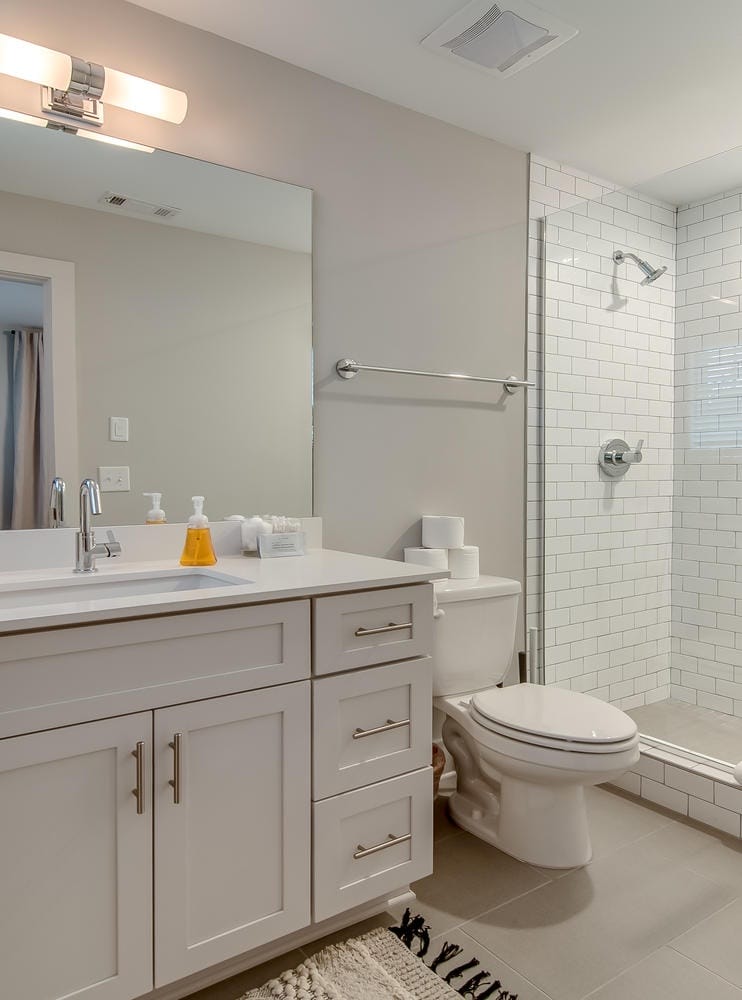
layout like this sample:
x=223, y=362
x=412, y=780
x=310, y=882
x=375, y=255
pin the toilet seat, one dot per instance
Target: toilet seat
x=531, y=739
x=574, y=758
x=553, y=718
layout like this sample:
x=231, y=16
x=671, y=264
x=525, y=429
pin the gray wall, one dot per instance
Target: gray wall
x=419, y=258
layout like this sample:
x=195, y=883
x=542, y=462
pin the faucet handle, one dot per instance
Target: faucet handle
x=635, y=455
x=113, y=545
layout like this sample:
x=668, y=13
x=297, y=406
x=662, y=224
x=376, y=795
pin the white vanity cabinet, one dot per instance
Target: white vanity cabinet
x=76, y=862
x=231, y=793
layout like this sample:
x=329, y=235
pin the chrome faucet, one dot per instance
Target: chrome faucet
x=56, y=503
x=85, y=548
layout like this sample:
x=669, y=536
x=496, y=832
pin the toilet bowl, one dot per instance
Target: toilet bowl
x=523, y=754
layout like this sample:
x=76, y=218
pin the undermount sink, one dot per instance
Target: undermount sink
x=74, y=589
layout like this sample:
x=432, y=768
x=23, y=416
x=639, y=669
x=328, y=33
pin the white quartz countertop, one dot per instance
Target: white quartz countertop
x=320, y=571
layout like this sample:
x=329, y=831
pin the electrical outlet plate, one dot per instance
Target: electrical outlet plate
x=114, y=478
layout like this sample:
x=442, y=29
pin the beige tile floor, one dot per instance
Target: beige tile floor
x=657, y=915
x=715, y=734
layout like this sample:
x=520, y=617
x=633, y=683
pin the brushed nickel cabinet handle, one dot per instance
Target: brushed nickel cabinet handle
x=175, y=780
x=391, y=627
x=138, y=792
x=391, y=841
x=360, y=734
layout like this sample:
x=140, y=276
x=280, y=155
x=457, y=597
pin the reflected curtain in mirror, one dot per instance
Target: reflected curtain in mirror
x=25, y=450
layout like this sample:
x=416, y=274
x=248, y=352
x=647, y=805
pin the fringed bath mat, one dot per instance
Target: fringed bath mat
x=386, y=965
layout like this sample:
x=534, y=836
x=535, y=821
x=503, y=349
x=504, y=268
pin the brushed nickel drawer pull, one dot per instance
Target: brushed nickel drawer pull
x=175, y=780
x=391, y=841
x=359, y=734
x=391, y=627
x=138, y=792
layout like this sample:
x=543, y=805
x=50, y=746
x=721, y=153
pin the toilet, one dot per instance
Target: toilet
x=523, y=754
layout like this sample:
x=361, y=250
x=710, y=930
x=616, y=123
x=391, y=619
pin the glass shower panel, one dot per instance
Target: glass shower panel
x=606, y=354
x=635, y=580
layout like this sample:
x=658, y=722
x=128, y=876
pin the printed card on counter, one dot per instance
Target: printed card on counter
x=275, y=546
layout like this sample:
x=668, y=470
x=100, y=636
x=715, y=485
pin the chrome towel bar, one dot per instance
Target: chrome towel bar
x=348, y=368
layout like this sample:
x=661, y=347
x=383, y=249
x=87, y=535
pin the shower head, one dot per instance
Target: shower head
x=650, y=273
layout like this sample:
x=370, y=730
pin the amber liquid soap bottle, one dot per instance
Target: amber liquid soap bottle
x=198, y=549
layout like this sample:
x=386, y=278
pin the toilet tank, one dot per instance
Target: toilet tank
x=473, y=633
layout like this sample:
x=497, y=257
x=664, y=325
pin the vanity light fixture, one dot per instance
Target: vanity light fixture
x=75, y=88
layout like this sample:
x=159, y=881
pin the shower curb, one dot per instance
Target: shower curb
x=701, y=790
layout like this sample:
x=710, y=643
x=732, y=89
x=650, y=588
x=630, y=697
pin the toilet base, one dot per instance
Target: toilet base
x=540, y=826
x=542, y=822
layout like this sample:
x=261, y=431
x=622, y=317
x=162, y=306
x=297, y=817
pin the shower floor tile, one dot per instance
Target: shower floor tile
x=699, y=729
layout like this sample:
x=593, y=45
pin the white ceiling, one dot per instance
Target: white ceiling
x=698, y=181
x=646, y=86
x=212, y=199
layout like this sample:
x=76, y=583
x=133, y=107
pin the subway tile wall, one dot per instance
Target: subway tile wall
x=602, y=349
x=707, y=554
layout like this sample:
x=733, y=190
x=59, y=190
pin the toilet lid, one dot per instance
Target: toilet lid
x=555, y=714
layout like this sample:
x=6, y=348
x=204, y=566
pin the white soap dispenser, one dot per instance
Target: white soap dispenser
x=155, y=515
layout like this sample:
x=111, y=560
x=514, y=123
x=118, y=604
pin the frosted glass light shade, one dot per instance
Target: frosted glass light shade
x=111, y=140
x=147, y=98
x=17, y=116
x=34, y=63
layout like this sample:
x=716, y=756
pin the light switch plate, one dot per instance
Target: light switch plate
x=114, y=478
x=118, y=428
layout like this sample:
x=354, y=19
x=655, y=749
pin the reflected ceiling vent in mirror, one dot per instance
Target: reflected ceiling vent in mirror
x=499, y=39
x=137, y=207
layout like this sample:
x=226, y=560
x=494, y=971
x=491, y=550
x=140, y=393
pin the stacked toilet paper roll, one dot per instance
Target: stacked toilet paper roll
x=463, y=562
x=434, y=558
x=443, y=547
x=443, y=531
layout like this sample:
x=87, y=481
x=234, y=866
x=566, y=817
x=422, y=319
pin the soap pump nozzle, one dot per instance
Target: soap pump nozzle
x=198, y=519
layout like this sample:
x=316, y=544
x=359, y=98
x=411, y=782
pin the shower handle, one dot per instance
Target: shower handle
x=616, y=456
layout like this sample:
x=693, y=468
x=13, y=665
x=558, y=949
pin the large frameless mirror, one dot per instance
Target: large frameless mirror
x=155, y=316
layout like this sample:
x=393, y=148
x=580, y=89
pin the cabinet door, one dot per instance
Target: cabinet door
x=76, y=863
x=232, y=856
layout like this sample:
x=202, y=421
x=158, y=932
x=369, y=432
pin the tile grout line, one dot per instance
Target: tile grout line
x=499, y=958
x=726, y=906
x=701, y=966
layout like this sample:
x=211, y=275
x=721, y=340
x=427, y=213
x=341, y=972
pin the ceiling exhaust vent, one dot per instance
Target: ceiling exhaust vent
x=136, y=207
x=499, y=39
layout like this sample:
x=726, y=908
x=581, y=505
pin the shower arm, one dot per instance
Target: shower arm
x=620, y=256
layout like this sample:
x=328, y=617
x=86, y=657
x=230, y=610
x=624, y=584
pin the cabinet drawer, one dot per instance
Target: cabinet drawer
x=74, y=675
x=372, y=841
x=371, y=724
x=379, y=626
